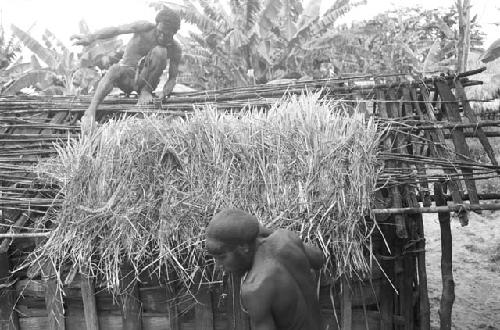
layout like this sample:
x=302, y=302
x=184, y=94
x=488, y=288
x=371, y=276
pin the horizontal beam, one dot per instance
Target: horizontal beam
x=439, y=209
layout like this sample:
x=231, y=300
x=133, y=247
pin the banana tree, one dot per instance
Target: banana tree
x=63, y=71
x=258, y=39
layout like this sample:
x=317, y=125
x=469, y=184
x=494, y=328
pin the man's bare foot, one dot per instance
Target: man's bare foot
x=145, y=98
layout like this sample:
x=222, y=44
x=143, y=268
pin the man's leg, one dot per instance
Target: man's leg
x=149, y=77
x=105, y=86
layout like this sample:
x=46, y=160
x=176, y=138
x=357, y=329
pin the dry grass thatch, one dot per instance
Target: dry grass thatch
x=142, y=190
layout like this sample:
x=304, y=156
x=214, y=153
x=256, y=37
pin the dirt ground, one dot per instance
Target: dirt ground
x=476, y=270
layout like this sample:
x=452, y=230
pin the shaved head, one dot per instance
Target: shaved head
x=233, y=227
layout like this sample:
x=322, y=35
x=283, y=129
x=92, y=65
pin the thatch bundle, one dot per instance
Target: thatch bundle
x=141, y=191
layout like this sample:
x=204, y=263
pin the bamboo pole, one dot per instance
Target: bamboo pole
x=438, y=136
x=4, y=247
x=448, y=294
x=394, y=190
x=438, y=209
x=24, y=235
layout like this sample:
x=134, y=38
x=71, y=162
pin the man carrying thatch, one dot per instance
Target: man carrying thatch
x=143, y=61
x=278, y=289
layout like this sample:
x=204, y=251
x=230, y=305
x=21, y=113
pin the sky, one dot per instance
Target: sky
x=62, y=16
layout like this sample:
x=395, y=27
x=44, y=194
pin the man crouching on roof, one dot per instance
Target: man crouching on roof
x=278, y=290
x=143, y=61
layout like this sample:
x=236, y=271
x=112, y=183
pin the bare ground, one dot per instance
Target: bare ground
x=476, y=271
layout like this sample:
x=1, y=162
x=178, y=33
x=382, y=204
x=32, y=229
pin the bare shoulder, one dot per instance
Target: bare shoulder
x=284, y=236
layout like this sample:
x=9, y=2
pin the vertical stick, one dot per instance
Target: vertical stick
x=425, y=195
x=408, y=279
x=386, y=300
x=425, y=314
x=130, y=300
x=8, y=316
x=204, y=314
x=388, y=146
x=448, y=294
x=346, y=305
x=89, y=304
x=53, y=298
x=239, y=318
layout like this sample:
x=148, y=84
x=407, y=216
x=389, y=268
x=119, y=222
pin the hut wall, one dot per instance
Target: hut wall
x=393, y=299
x=33, y=313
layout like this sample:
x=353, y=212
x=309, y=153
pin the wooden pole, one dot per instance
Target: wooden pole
x=448, y=294
x=89, y=303
x=53, y=298
x=424, y=306
x=346, y=305
x=394, y=190
x=469, y=113
x=439, y=150
x=461, y=147
x=438, y=209
x=9, y=319
x=130, y=300
x=387, y=294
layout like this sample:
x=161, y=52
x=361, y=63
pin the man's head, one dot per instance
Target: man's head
x=231, y=237
x=168, y=23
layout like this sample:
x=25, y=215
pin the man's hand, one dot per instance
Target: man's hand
x=82, y=39
x=167, y=89
x=87, y=123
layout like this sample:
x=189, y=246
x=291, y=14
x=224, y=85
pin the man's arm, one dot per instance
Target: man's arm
x=173, y=70
x=136, y=27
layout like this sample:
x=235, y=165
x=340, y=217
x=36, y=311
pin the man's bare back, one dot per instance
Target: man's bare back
x=278, y=290
x=280, y=285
